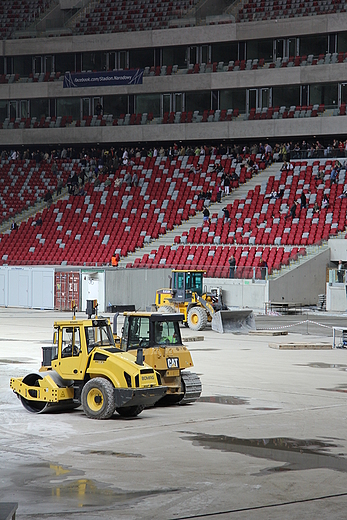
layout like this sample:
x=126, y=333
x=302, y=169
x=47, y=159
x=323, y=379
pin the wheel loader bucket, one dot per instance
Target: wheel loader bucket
x=233, y=321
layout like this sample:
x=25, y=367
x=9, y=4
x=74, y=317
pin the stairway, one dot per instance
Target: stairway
x=196, y=221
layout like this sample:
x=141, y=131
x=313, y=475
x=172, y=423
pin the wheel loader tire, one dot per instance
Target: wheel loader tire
x=98, y=399
x=130, y=411
x=166, y=309
x=197, y=318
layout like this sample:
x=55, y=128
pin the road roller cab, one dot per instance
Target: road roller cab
x=159, y=337
x=84, y=366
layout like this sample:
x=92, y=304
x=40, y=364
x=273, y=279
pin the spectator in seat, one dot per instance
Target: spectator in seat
x=14, y=226
x=226, y=214
x=325, y=202
x=315, y=208
x=38, y=222
x=114, y=260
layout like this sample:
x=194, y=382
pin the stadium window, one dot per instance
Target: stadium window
x=49, y=63
x=95, y=61
x=198, y=100
x=313, y=45
x=37, y=64
x=3, y=110
x=174, y=56
x=288, y=96
x=116, y=105
x=257, y=49
x=232, y=99
x=64, y=62
x=22, y=65
x=149, y=103
x=324, y=93
x=226, y=52
x=140, y=58
x=343, y=94
x=69, y=107
x=342, y=42
x=39, y=108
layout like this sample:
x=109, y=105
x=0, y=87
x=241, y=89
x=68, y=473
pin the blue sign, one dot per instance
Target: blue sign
x=110, y=78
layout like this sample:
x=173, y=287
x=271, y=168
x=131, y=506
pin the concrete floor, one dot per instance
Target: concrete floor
x=266, y=441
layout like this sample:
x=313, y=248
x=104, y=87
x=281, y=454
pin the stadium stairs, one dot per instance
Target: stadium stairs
x=196, y=221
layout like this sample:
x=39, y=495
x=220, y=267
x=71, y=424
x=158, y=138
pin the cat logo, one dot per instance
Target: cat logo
x=173, y=362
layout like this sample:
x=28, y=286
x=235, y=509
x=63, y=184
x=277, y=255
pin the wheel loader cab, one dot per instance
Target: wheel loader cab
x=185, y=283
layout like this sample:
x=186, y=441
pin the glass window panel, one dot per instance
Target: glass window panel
x=148, y=103
x=313, y=45
x=198, y=100
x=324, y=94
x=233, y=99
x=166, y=103
x=224, y=51
x=344, y=93
x=95, y=61
x=64, y=62
x=22, y=65
x=3, y=110
x=342, y=42
x=174, y=56
x=141, y=58
x=288, y=96
x=39, y=108
x=259, y=49
x=69, y=107
x=116, y=105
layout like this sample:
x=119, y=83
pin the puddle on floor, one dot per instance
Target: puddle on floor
x=264, y=408
x=340, y=388
x=324, y=365
x=292, y=454
x=223, y=399
x=11, y=361
x=109, y=453
x=48, y=483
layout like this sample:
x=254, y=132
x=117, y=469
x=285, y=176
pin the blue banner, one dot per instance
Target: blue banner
x=110, y=78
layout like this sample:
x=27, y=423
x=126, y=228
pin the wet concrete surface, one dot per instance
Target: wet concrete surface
x=267, y=439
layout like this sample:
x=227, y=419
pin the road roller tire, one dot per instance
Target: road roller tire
x=197, y=318
x=130, y=411
x=98, y=399
x=33, y=406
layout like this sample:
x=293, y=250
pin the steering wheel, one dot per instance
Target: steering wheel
x=67, y=351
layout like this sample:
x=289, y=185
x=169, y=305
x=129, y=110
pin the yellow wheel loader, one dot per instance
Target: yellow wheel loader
x=159, y=337
x=187, y=296
x=84, y=367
